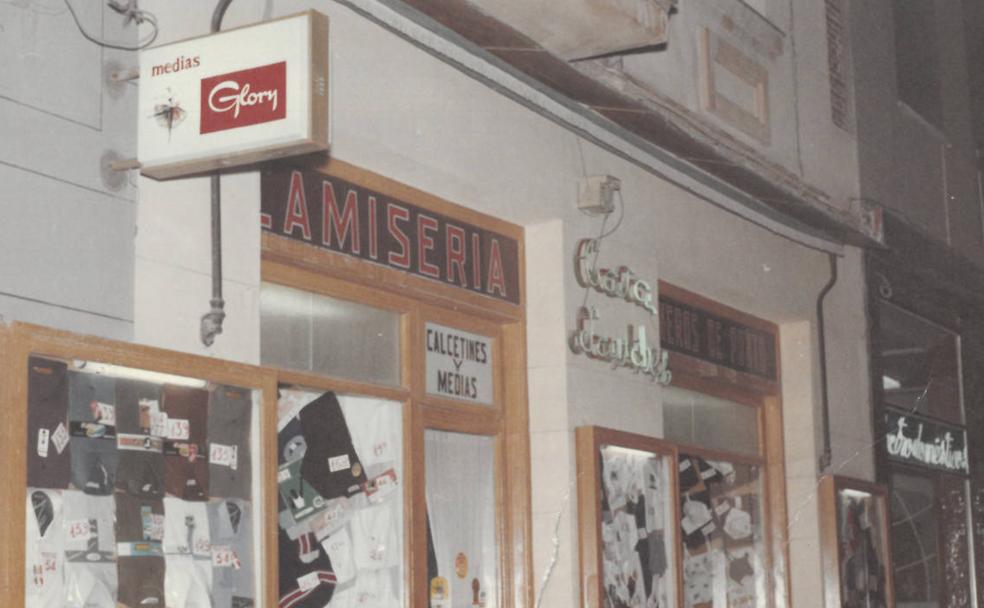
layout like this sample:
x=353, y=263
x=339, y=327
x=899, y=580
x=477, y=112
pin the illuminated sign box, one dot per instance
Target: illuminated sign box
x=234, y=98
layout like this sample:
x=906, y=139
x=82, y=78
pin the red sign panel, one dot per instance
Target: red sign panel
x=333, y=214
x=243, y=98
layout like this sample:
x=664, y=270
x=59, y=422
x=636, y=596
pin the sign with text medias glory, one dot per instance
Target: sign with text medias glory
x=331, y=213
x=237, y=97
x=919, y=441
x=458, y=364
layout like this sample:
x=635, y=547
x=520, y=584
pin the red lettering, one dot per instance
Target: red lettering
x=497, y=278
x=476, y=263
x=297, y=211
x=348, y=219
x=454, y=248
x=425, y=243
x=373, y=237
x=393, y=213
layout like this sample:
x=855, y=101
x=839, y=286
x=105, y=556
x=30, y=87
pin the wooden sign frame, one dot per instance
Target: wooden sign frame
x=419, y=300
x=19, y=341
x=830, y=541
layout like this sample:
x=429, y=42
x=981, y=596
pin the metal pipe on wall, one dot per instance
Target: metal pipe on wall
x=826, y=455
x=212, y=320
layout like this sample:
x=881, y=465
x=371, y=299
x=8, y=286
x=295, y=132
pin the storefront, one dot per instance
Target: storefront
x=925, y=353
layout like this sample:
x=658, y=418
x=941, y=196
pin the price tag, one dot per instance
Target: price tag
x=223, y=455
x=158, y=424
x=178, y=429
x=380, y=487
x=105, y=413
x=60, y=438
x=308, y=581
x=338, y=463
x=78, y=529
x=283, y=475
x=43, y=435
x=224, y=557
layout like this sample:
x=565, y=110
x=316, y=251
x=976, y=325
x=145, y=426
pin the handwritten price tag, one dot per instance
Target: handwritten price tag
x=178, y=429
x=78, y=529
x=225, y=557
x=223, y=455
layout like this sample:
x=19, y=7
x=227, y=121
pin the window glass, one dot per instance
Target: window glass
x=460, y=491
x=862, y=558
x=917, y=58
x=919, y=363
x=310, y=332
x=637, y=530
x=722, y=533
x=340, y=473
x=915, y=541
x=712, y=423
x=142, y=487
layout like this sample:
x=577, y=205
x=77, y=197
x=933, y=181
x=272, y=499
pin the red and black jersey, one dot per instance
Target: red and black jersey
x=307, y=579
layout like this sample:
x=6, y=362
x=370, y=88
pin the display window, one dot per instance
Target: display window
x=855, y=543
x=695, y=518
x=395, y=326
x=142, y=475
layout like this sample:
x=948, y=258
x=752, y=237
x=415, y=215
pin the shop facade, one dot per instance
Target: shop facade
x=432, y=295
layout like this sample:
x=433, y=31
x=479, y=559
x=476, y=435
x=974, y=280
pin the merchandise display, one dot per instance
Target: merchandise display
x=120, y=511
x=635, y=519
x=461, y=508
x=860, y=532
x=340, y=472
x=721, y=533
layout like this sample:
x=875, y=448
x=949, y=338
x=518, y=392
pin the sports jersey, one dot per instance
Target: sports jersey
x=330, y=464
x=185, y=456
x=306, y=577
x=376, y=536
x=230, y=524
x=229, y=469
x=140, y=425
x=140, y=559
x=48, y=463
x=90, y=549
x=92, y=425
x=376, y=429
x=44, y=550
x=372, y=589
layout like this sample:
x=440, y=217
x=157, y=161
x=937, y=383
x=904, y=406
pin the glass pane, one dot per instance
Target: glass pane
x=712, y=423
x=309, y=332
x=722, y=534
x=637, y=528
x=915, y=541
x=862, y=561
x=460, y=490
x=919, y=363
x=141, y=487
x=340, y=470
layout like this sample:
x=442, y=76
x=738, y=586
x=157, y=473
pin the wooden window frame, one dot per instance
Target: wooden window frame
x=715, y=380
x=829, y=487
x=419, y=300
x=21, y=340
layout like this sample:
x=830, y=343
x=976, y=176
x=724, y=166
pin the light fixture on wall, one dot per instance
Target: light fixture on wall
x=596, y=194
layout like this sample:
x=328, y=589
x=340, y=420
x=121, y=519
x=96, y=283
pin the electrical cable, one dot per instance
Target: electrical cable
x=139, y=16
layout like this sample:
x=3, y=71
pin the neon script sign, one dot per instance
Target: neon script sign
x=632, y=350
x=915, y=440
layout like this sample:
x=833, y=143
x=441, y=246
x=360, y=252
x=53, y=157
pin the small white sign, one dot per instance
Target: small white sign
x=458, y=364
x=232, y=98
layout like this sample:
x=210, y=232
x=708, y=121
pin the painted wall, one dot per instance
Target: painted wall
x=924, y=172
x=67, y=234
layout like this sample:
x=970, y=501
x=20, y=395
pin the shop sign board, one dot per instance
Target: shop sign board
x=233, y=98
x=698, y=333
x=337, y=215
x=458, y=364
x=916, y=440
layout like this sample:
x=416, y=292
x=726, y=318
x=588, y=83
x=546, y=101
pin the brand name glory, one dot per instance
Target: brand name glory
x=244, y=98
x=236, y=97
